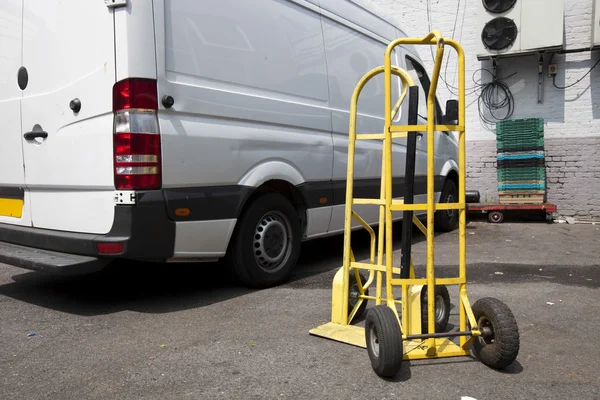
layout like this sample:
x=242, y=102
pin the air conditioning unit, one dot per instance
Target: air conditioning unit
x=596, y=24
x=514, y=27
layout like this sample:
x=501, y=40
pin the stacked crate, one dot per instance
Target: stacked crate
x=521, y=163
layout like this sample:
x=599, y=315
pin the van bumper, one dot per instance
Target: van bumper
x=144, y=230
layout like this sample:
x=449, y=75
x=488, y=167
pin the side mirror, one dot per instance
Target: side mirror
x=451, y=117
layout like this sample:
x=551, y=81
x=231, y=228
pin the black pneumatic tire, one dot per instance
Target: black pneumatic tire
x=447, y=220
x=384, y=341
x=442, y=303
x=353, y=293
x=500, y=349
x=251, y=242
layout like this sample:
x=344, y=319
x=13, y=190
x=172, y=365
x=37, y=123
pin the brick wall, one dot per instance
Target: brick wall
x=572, y=171
x=572, y=116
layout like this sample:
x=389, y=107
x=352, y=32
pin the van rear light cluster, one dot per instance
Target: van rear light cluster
x=136, y=141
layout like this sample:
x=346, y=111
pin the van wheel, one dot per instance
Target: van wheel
x=266, y=243
x=447, y=220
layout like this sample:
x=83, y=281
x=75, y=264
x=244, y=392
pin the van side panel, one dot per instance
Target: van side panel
x=68, y=48
x=134, y=40
x=351, y=54
x=249, y=80
x=12, y=174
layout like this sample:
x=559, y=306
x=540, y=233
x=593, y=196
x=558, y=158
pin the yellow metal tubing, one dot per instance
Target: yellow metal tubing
x=420, y=225
x=467, y=307
x=349, y=193
x=368, y=201
x=374, y=298
x=439, y=41
x=371, y=232
x=380, y=136
x=449, y=206
x=372, y=267
x=423, y=128
x=406, y=82
x=408, y=207
x=430, y=348
x=423, y=281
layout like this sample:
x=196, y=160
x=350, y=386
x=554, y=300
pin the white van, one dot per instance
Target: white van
x=185, y=130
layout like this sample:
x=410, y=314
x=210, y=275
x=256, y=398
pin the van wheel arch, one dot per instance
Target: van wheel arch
x=453, y=176
x=287, y=190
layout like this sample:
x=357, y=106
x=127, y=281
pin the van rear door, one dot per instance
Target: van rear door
x=13, y=207
x=68, y=50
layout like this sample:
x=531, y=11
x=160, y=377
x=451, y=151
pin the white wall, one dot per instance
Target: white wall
x=574, y=112
x=572, y=116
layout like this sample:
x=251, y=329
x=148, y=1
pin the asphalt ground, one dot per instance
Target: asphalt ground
x=183, y=331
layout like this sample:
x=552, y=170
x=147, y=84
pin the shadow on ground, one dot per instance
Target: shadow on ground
x=162, y=288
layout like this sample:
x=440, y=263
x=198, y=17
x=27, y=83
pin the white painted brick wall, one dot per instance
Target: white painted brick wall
x=572, y=116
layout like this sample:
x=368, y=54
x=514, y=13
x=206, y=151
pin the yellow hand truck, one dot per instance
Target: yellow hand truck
x=488, y=328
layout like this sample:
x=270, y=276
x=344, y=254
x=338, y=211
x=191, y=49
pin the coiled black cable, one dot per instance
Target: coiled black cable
x=493, y=97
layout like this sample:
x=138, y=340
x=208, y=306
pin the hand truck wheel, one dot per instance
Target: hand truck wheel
x=495, y=217
x=353, y=294
x=442, y=309
x=384, y=341
x=498, y=346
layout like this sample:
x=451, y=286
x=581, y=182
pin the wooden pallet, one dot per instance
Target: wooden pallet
x=522, y=198
x=485, y=207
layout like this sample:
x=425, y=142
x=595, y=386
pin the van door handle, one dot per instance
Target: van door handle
x=37, y=132
x=33, y=135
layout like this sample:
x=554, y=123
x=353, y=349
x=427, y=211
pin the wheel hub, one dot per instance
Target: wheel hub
x=353, y=295
x=374, y=341
x=272, y=241
x=487, y=330
x=440, y=308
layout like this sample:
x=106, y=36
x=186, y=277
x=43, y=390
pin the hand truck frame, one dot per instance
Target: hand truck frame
x=489, y=326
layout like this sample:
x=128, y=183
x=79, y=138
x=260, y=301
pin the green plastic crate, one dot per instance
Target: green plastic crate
x=520, y=144
x=521, y=174
x=531, y=128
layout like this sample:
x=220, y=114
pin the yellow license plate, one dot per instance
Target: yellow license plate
x=11, y=208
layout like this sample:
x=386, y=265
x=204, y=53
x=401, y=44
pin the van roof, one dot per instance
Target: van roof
x=370, y=6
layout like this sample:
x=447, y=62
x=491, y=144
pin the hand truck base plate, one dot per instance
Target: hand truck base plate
x=349, y=334
x=413, y=349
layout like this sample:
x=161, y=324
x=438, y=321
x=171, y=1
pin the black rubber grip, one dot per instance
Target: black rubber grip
x=33, y=135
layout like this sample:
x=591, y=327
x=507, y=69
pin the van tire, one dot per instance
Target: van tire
x=447, y=220
x=266, y=243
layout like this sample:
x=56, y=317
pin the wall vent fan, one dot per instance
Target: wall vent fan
x=499, y=33
x=506, y=28
x=499, y=6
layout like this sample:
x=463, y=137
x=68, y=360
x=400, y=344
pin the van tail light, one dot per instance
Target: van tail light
x=136, y=140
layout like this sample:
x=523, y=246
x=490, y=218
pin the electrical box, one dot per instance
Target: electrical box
x=514, y=27
x=596, y=24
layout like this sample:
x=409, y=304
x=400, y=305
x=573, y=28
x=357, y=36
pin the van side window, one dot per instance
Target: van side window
x=421, y=79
